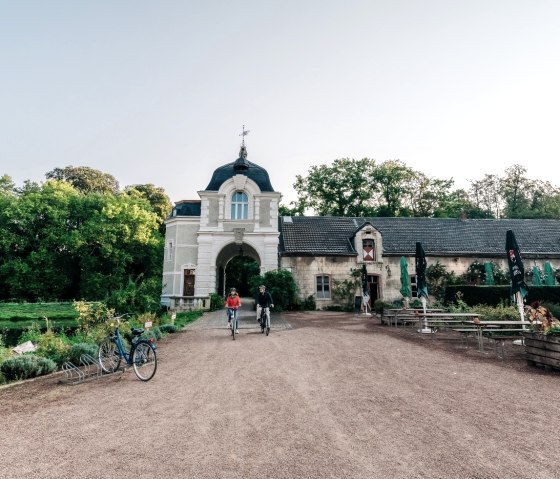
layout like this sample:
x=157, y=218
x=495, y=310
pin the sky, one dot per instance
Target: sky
x=158, y=92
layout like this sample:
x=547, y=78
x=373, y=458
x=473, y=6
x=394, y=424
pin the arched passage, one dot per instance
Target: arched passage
x=235, y=265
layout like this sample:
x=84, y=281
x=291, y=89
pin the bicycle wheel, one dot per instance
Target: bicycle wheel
x=144, y=360
x=109, y=356
x=267, y=324
x=233, y=328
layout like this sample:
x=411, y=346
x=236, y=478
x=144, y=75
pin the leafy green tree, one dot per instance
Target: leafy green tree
x=516, y=190
x=156, y=197
x=58, y=243
x=393, y=181
x=86, y=179
x=342, y=189
x=7, y=186
x=486, y=195
x=456, y=204
x=296, y=209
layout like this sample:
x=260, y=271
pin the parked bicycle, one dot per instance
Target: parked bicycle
x=232, y=322
x=141, y=355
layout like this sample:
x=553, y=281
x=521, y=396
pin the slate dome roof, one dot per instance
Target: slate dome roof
x=241, y=166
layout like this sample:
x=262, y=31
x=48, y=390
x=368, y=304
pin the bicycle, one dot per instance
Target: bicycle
x=232, y=322
x=141, y=356
x=264, y=320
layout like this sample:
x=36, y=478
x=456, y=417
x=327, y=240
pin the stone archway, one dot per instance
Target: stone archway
x=241, y=260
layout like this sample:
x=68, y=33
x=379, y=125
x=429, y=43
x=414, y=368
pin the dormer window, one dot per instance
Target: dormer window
x=368, y=246
x=239, y=206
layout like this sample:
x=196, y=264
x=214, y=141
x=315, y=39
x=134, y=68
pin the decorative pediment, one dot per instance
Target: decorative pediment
x=239, y=181
x=238, y=235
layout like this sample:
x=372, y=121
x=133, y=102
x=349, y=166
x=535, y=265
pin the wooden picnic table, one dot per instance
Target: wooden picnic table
x=497, y=326
x=394, y=314
x=442, y=319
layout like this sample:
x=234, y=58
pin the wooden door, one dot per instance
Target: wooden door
x=188, y=283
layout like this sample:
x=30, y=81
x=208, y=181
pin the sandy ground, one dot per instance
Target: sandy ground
x=326, y=395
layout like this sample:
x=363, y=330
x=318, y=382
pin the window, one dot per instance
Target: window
x=170, y=251
x=239, y=206
x=413, y=286
x=368, y=246
x=323, y=287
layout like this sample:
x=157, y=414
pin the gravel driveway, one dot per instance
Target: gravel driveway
x=326, y=395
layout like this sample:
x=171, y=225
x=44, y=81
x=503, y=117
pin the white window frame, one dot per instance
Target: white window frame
x=169, y=250
x=239, y=207
x=323, y=293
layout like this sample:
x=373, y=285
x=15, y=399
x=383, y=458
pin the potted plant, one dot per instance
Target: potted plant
x=542, y=341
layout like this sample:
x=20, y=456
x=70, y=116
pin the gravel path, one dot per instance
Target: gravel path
x=326, y=395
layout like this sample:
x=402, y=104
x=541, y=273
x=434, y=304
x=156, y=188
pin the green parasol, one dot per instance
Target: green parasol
x=549, y=276
x=536, y=276
x=516, y=271
x=405, y=279
x=489, y=274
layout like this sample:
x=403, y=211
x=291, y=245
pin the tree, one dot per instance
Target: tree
x=486, y=194
x=86, y=179
x=516, y=190
x=338, y=190
x=159, y=202
x=456, y=204
x=393, y=181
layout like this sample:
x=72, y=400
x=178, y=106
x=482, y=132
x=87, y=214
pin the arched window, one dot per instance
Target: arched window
x=239, y=206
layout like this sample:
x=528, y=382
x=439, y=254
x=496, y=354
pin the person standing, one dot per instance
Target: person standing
x=233, y=303
x=263, y=300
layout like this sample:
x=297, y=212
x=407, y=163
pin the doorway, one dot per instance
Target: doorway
x=238, y=274
x=188, y=282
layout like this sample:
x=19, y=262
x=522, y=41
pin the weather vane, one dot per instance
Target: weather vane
x=243, y=134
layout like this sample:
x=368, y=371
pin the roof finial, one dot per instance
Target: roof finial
x=243, y=134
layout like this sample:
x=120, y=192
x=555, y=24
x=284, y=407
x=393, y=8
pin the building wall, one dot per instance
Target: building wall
x=181, y=251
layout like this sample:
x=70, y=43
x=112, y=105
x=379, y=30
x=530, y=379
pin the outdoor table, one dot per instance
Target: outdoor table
x=496, y=326
x=411, y=313
x=443, y=318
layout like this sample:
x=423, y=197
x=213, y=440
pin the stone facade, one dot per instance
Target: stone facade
x=238, y=214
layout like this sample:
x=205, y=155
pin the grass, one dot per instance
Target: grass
x=184, y=318
x=37, y=311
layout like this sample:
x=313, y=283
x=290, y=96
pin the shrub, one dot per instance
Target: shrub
x=168, y=328
x=91, y=315
x=32, y=333
x=53, y=347
x=26, y=366
x=379, y=305
x=280, y=284
x=309, y=304
x=216, y=302
x=77, y=350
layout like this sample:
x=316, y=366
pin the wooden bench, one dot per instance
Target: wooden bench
x=500, y=336
x=465, y=333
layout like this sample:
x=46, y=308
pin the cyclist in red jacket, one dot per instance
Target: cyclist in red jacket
x=233, y=303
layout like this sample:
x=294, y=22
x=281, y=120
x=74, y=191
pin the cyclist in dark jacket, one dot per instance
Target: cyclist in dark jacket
x=263, y=300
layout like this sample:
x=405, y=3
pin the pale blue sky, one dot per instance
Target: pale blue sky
x=157, y=92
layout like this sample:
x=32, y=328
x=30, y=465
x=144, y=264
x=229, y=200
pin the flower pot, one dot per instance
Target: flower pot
x=542, y=350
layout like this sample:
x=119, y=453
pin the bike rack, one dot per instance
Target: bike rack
x=89, y=369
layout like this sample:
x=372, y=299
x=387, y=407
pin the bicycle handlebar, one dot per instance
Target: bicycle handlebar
x=118, y=318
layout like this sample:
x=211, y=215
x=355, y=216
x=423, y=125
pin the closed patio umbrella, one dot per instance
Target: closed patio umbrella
x=536, y=276
x=422, y=286
x=365, y=292
x=549, y=276
x=489, y=274
x=517, y=272
x=405, y=281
